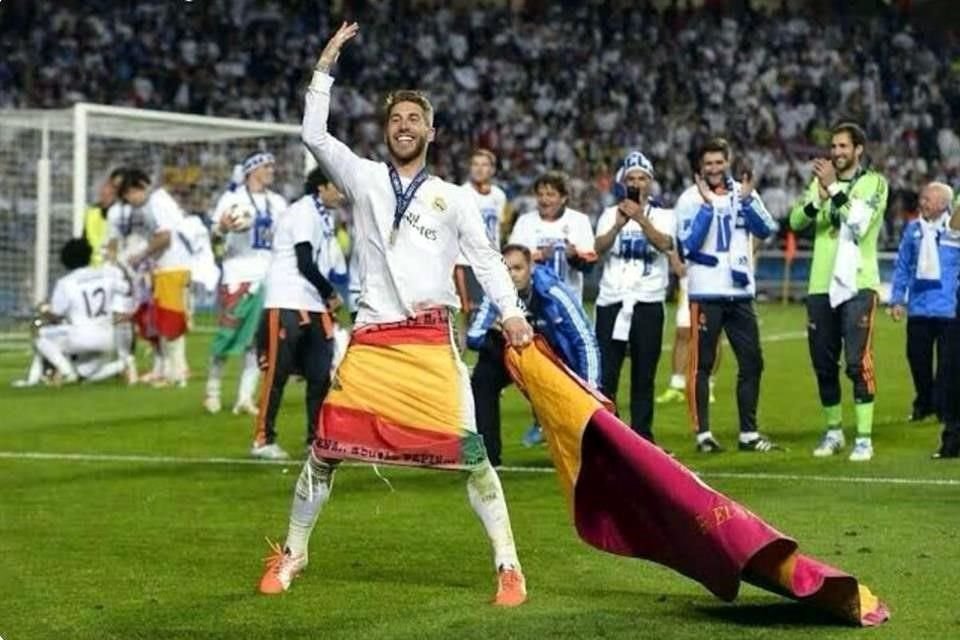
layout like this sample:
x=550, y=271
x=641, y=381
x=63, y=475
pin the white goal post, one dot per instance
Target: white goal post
x=52, y=162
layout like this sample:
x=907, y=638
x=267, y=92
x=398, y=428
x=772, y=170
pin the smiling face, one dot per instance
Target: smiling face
x=714, y=166
x=933, y=202
x=843, y=152
x=408, y=132
x=550, y=201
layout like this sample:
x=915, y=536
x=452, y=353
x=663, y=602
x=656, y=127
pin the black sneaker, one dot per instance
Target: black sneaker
x=760, y=443
x=949, y=447
x=709, y=445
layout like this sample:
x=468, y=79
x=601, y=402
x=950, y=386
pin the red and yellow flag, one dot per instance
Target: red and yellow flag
x=628, y=497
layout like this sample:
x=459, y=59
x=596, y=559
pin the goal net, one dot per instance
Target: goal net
x=52, y=163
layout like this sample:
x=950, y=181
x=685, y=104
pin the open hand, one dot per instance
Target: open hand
x=826, y=174
x=705, y=191
x=332, y=51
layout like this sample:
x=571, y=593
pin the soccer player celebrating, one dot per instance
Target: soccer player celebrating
x=492, y=202
x=559, y=237
x=166, y=316
x=950, y=437
x=81, y=309
x=555, y=314
x=634, y=237
x=244, y=218
x=718, y=217
x=402, y=394
x=296, y=333
x=845, y=203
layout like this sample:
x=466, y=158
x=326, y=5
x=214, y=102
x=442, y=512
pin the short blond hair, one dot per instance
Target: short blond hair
x=408, y=95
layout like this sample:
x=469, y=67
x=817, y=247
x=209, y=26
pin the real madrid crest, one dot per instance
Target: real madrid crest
x=439, y=204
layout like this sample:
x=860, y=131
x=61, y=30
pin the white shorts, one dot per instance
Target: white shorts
x=683, y=305
x=78, y=339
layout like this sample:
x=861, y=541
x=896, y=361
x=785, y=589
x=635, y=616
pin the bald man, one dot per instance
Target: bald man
x=950, y=440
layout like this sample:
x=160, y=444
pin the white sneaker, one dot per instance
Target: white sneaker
x=245, y=406
x=862, y=450
x=212, y=404
x=268, y=452
x=23, y=384
x=830, y=445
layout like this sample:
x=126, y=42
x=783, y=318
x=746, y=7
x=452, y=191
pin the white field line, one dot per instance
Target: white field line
x=175, y=460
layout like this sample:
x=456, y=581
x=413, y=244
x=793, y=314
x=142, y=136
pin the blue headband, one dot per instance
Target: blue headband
x=257, y=160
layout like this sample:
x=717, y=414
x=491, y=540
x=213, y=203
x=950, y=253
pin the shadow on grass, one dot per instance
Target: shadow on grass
x=773, y=614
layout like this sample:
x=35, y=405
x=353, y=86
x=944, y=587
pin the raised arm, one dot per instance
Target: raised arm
x=807, y=208
x=337, y=160
x=758, y=220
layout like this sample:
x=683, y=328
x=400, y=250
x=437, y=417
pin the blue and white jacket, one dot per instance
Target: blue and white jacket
x=924, y=298
x=554, y=313
x=716, y=242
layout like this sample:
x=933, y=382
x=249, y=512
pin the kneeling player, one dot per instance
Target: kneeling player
x=554, y=313
x=80, y=340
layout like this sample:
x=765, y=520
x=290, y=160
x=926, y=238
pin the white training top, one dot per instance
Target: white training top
x=534, y=232
x=492, y=205
x=129, y=227
x=633, y=268
x=415, y=272
x=166, y=215
x=307, y=220
x=247, y=253
x=85, y=296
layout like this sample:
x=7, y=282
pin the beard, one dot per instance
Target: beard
x=407, y=156
x=842, y=163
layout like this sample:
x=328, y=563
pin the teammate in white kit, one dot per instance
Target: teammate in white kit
x=492, y=202
x=244, y=217
x=165, y=318
x=635, y=237
x=296, y=332
x=83, y=304
x=559, y=237
x=410, y=227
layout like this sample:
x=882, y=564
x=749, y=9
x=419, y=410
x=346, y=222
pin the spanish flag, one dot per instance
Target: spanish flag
x=401, y=395
x=629, y=498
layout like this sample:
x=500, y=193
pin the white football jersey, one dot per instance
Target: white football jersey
x=634, y=269
x=247, y=253
x=534, y=232
x=130, y=227
x=307, y=220
x=85, y=296
x=166, y=215
x=492, y=205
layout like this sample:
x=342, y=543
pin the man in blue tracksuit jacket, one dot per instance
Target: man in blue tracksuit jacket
x=925, y=289
x=554, y=313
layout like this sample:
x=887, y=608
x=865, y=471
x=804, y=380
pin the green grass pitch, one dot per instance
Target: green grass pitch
x=169, y=549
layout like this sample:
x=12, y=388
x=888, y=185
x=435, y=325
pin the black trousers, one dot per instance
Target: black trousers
x=292, y=341
x=645, y=343
x=951, y=380
x=851, y=326
x=489, y=378
x=738, y=319
x=926, y=338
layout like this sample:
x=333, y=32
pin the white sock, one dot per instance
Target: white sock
x=108, y=370
x=215, y=376
x=312, y=492
x=51, y=351
x=678, y=381
x=835, y=433
x=174, y=358
x=158, y=364
x=487, y=499
x=36, y=370
x=248, y=378
x=748, y=436
x=123, y=339
x=706, y=435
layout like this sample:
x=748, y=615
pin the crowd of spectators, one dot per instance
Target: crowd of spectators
x=553, y=85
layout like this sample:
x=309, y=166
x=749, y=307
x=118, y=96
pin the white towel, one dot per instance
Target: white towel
x=843, y=285
x=621, y=326
x=928, y=261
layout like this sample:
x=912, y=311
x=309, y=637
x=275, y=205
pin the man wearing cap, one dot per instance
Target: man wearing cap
x=244, y=220
x=634, y=237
